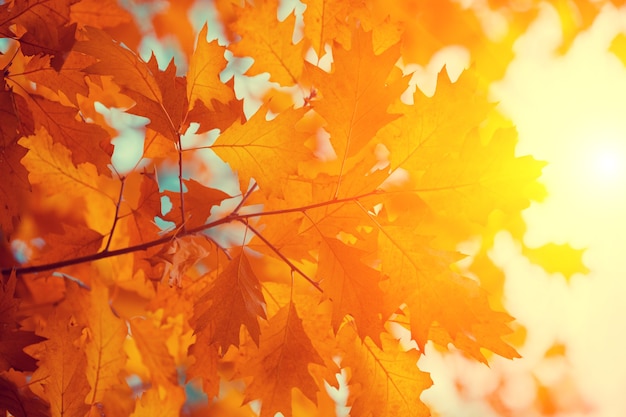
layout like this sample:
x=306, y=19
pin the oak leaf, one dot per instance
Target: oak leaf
x=234, y=299
x=555, y=258
x=355, y=111
x=252, y=149
x=269, y=42
x=281, y=364
x=12, y=338
x=151, y=343
x=198, y=201
x=14, y=192
x=62, y=366
x=352, y=287
x=104, y=345
x=203, y=82
x=385, y=382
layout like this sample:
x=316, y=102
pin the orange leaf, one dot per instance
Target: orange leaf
x=253, y=149
x=555, y=258
x=50, y=166
x=104, y=346
x=17, y=399
x=198, y=200
x=13, y=192
x=352, y=287
x=354, y=111
x=155, y=356
x=325, y=22
x=88, y=142
x=12, y=339
x=203, y=82
x=234, y=299
x=62, y=366
x=157, y=403
x=383, y=383
x=73, y=241
x=269, y=42
x=282, y=363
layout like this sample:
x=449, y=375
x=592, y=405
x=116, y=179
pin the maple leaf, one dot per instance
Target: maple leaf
x=12, y=338
x=72, y=241
x=62, y=366
x=104, y=345
x=205, y=365
x=156, y=403
x=98, y=13
x=252, y=148
x=159, y=95
x=12, y=193
x=20, y=401
x=70, y=79
x=88, y=142
x=269, y=42
x=352, y=286
x=325, y=22
x=49, y=165
x=150, y=341
x=554, y=258
x=46, y=24
x=205, y=65
x=200, y=200
x=355, y=111
x=234, y=299
x=383, y=382
x=285, y=352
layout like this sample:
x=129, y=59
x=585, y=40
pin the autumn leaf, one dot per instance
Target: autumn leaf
x=47, y=27
x=73, y=241
x=157, y=403
x=354, y=112
x=234, y=299
x=14, y=192
x=285, y=352
x=19, y=400
x=352, y=286
x=89, y=142
x=104, y=345
x=199, y=198
x=203, y=82
x=253, y=156
x=383, y=382
x=555, y=258
x=325, y=23
x=268, y=42
x=62, y=366
x=150, y=341
x=12, y=338
x=49, y=164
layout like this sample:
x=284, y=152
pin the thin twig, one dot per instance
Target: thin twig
x=180, y=182
x=283, y=257
x=117, y=212
x=244, y=198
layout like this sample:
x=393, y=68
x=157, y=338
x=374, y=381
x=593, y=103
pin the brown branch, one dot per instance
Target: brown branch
x=283, y=257
x=117, y=212
x=146, y=245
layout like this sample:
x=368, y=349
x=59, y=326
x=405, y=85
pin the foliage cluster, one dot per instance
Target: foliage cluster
x=355, y=193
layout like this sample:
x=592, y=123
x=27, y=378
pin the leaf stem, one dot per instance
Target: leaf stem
x=283, y=257
x=180, y=183
x=117, y=212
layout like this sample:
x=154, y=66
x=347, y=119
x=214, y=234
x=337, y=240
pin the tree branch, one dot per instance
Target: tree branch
x=233, y=216
x=283, y=257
